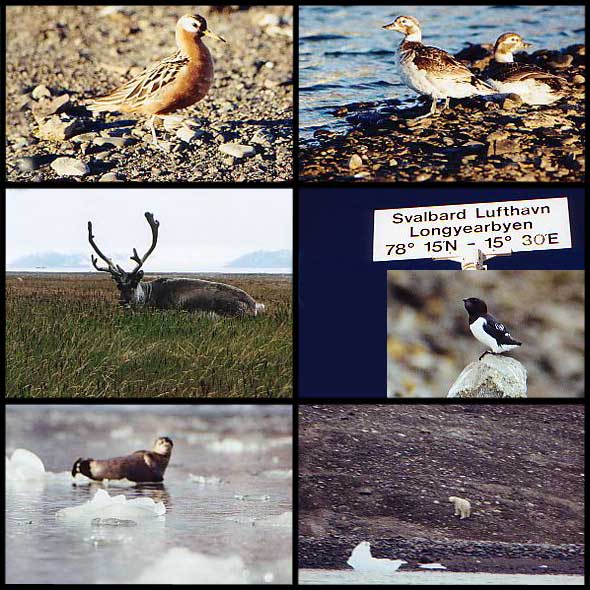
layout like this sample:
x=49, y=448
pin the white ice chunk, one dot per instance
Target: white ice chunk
x=362, y=560
x=205, y=480
x=432, y=566
x=181, y=566
x=104, y=506
x=284, y=520
x=24, y=465
x=234, y=446
x=278, y=473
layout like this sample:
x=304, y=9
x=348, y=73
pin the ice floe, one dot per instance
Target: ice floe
x=24, y=466
x=182, y=566
x=362, y=560
x=431, y=566
x=205, y=480
x=104, y=506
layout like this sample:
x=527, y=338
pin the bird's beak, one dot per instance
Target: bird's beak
x=464, y=300
x=526, y=44
x=391, y=26
x=211, y=34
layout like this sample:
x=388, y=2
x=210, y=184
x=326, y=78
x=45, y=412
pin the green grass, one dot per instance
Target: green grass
x=76, y=342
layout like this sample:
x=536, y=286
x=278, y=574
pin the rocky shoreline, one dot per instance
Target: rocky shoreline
x=458, y=556
x=241, y=131
x=478, y=139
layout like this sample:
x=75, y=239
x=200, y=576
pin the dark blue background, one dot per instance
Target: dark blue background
x=342, y=292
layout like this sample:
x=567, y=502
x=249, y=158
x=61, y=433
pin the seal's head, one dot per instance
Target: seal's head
x=163, y=446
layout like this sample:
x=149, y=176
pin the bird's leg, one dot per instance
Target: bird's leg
x=446, y=105
x=431, y=112
x=153, y=128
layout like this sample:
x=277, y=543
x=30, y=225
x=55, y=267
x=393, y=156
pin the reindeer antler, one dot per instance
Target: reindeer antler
x=154, y=224
x=113, y=269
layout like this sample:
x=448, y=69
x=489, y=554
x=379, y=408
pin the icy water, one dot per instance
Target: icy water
x=345, y=56
x=247, y=515
x=438, y=578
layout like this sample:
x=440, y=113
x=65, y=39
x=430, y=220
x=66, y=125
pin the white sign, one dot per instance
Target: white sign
x=453, y=230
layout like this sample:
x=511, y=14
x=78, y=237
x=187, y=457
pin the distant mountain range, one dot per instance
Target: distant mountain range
x=263, y=259
x=50, y=260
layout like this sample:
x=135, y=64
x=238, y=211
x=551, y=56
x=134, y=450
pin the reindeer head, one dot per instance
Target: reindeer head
x=126, y=281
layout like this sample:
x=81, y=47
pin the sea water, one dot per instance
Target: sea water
x=234, y=512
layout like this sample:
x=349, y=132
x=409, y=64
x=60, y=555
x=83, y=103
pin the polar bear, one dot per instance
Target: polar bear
x=462, y=506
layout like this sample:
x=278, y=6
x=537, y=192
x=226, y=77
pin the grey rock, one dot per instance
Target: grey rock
x=237, y=150
x=494, y=376
x=117, y=142
x=40, y=92
x=70, y=167
x=187, y=135
x=58, y=129
x=110, y=177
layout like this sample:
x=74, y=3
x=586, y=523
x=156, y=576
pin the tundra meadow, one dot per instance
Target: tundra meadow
x=67, y=336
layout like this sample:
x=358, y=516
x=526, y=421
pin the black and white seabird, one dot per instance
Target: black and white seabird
x=531, y=83
x=141, y=466
x=431, y=71
x=487, y=329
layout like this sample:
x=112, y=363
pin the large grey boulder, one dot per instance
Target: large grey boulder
x=494, y=376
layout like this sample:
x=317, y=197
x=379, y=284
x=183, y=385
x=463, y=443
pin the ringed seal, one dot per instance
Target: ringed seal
x=141, y=466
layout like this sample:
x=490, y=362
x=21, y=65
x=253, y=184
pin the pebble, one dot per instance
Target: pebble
x=110, y=177
x=355, y=162
x=70, y=167
x=187, y=135
x=57, y=129
x=40, y=92
x=578, y=79
x=237, y=150
x=117, y=142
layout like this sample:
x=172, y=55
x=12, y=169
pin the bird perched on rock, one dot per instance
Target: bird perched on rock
x=531, y=83
x=431, y=71
x=141, y=466
x=487, y=329
x=174, y=83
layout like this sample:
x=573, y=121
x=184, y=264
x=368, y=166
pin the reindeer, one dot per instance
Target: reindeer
x=186, y=294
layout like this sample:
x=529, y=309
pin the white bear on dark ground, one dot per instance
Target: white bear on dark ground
x=462, y=506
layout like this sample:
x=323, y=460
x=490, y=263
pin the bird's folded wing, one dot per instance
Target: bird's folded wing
x=149, y=82
x=439, y=62
x=498, y=331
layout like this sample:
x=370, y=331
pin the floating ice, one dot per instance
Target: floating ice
x=234, y=445
x=278, y=473
x=205, y=480
x=181, y=566
x=104, y=506
x=24, y=465
x=362, y=560
x=249, y=498
x=282, y=520
x=431, y=566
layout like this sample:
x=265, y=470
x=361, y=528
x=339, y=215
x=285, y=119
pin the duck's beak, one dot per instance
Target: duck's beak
x=391, y=27
x=211, y=34
x=526, y=44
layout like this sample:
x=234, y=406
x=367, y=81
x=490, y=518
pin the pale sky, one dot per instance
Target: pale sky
x=198, y=227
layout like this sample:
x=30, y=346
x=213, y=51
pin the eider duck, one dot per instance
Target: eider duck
x=431, y=71
x=141, y=466
x=531, y=83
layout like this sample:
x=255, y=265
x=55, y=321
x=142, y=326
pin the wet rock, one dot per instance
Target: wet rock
x=494, y=376
x=58, y=129
x=70, y=167
x=237, y=150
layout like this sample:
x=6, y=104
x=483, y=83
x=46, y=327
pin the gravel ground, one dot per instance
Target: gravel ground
x=60, y=56
x=383, y=473
x=477, y=140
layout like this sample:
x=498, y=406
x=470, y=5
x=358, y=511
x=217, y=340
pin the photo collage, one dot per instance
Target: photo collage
x=323, y=265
